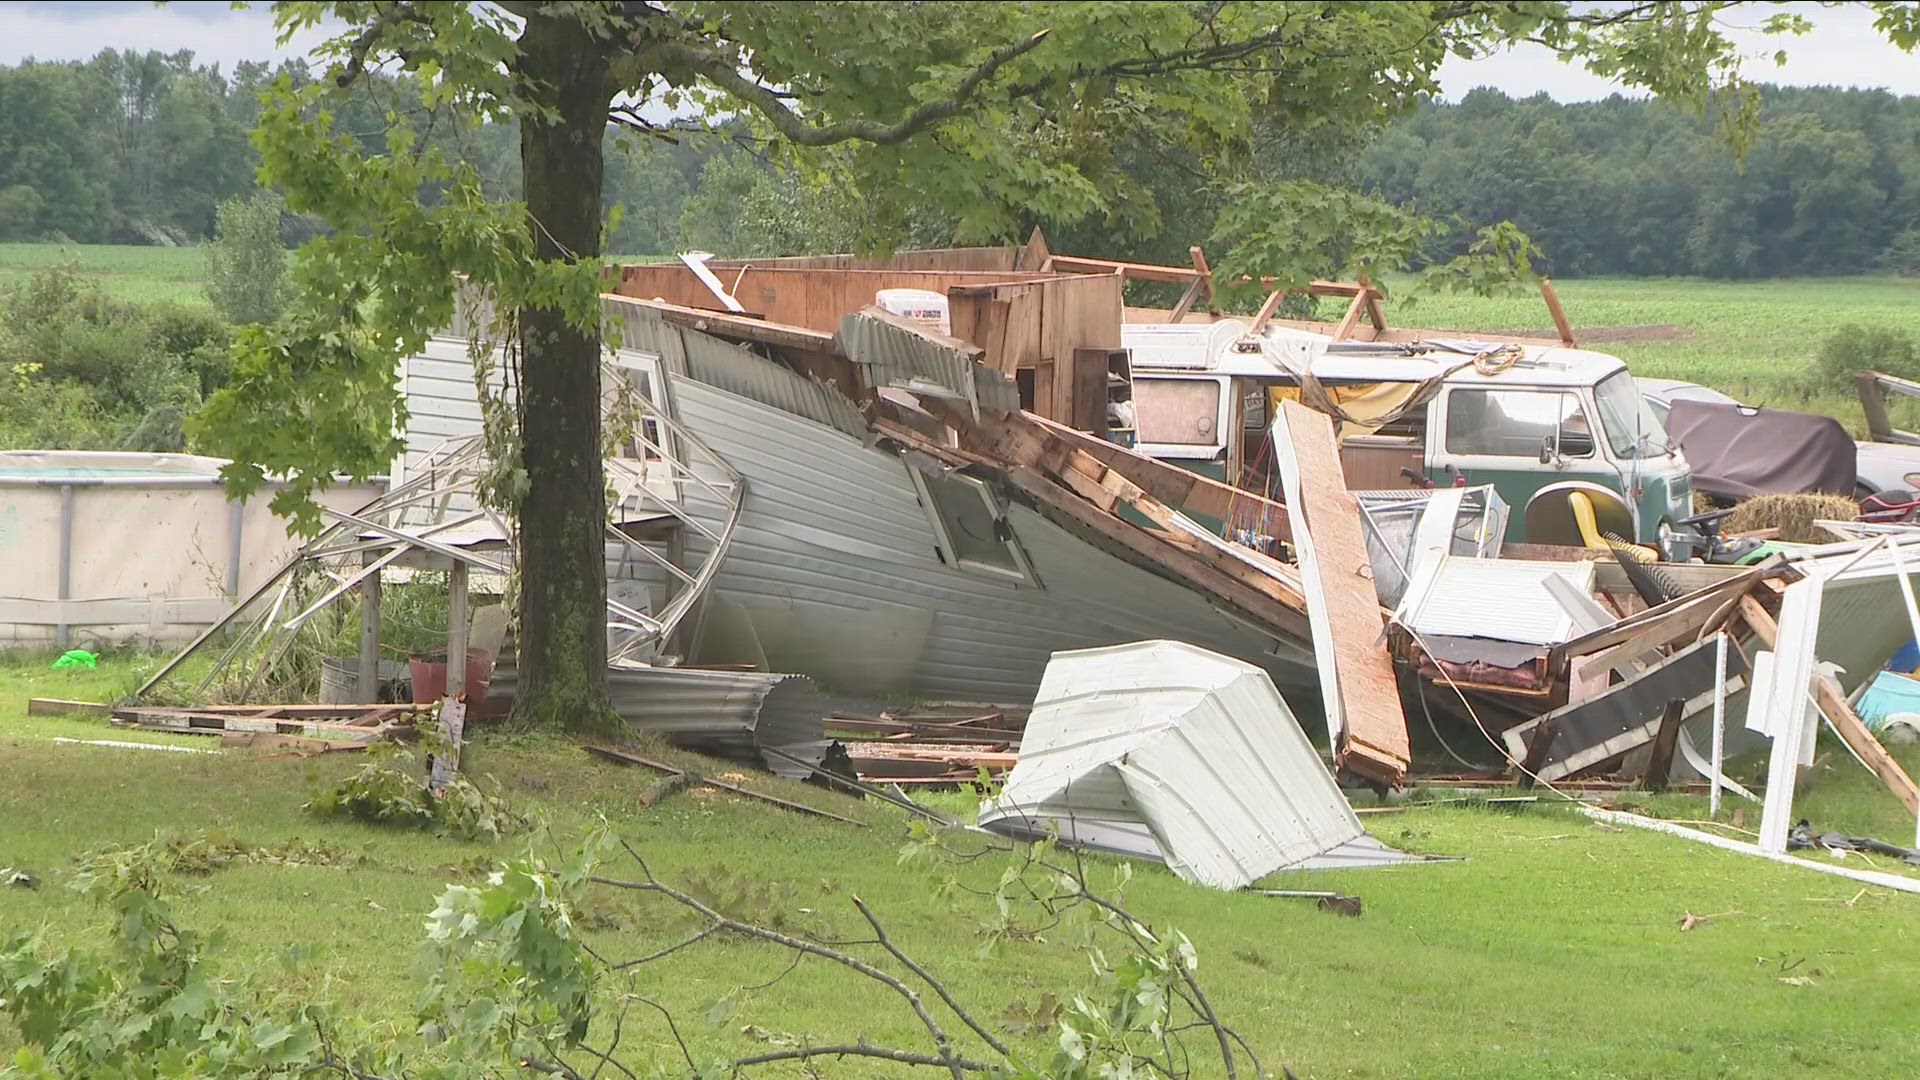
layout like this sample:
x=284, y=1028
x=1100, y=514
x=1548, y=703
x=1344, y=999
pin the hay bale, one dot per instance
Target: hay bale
x=1793, y=515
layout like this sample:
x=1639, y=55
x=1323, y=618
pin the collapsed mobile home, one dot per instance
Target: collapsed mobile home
x=932, y=492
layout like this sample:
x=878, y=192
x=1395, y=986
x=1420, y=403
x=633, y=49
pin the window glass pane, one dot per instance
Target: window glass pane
x=1183, y=412
x=1631, y=426
x=633, y=406
x=1517, y=423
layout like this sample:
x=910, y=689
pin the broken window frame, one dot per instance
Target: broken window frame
x=652, y=443
x=648, y=366
x=1021, y=570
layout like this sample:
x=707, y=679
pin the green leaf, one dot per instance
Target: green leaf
x=723, y=1008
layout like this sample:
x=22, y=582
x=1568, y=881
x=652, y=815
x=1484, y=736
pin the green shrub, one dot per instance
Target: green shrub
x=38, y=414
x=1853, y=349
x=90, y=372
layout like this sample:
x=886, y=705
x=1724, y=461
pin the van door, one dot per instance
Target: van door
x=1519, y=439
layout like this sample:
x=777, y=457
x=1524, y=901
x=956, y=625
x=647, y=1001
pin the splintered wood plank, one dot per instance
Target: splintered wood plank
x=1833, y=702
x=194, y=722
x=1373, y=729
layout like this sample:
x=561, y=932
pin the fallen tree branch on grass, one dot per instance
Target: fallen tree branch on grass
x=517, y=989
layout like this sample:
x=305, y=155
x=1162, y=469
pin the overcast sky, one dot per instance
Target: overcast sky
x=1842, y=51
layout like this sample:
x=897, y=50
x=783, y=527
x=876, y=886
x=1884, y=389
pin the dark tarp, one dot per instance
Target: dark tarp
x=1737, y=451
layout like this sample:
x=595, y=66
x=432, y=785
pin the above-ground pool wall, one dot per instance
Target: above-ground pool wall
x=148, y=559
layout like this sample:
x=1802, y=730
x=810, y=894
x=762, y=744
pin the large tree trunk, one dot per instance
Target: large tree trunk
x=563, y=576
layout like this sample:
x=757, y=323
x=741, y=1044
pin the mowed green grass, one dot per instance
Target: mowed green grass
x=1554, y=949
x=130, y=272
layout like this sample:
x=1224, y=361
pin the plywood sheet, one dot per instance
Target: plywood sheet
x=1362, y=695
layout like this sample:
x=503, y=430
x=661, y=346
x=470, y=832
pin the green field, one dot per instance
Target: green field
x=1755, y=340
x=1554, y=949
x=134, y=273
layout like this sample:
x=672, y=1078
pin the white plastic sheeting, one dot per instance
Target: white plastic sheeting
x=1164, y=750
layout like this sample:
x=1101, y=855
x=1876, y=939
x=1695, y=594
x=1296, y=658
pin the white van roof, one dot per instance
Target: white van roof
x=1282, y=352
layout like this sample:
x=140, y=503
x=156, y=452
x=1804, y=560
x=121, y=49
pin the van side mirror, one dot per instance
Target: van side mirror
x=1547, y=451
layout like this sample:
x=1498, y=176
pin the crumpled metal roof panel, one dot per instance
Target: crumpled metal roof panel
x=1165, y=750
x=907, y=357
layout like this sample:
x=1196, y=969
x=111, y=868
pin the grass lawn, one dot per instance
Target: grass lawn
x=1555, y=949
x=127, y=271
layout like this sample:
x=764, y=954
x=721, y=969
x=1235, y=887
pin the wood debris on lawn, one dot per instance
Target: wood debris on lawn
x=347, y=724
x=118, y=745
x=1689, y=920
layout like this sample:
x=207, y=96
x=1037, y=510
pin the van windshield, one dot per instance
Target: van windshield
x=1632, y=429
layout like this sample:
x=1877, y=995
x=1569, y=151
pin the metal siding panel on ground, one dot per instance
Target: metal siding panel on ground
x=1211, y=763
x=729, y=713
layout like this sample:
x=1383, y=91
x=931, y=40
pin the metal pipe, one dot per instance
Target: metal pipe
x=1913, y=621
x=236, y=526
x=1719, y=721
x=61, y=633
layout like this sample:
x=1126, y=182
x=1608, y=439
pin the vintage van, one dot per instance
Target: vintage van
x=1535, y=421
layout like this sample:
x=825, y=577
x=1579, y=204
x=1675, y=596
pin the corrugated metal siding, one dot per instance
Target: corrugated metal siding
x=734, y=369
x=833, y=536
x=441, y=401
x=835, y=563
x=729, y=713
x=1503, y=599
x=894, y=356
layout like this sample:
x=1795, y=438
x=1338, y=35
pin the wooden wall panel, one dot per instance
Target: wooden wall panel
x=967, y=258
x=1075, y=313
x=813, y=298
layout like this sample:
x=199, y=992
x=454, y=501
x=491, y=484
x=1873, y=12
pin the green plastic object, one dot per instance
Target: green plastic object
x=77, y=658
x=1758, y=554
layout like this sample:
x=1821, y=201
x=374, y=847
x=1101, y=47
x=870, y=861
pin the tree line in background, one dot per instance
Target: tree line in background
x=142, y=149
x=1830, y=184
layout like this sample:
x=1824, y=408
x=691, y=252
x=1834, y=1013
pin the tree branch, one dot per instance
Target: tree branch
x=905, y=1057
x=938, y=988
x=668, y=951
x=363, y=44
x=724, y=72
x=653, y=884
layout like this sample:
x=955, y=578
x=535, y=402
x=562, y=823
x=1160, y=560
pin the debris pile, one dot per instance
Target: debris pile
x=1128, y=516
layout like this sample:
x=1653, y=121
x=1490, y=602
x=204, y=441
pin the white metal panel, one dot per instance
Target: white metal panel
x=835, y=561
x=1502, y=599
x=1197, y=751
